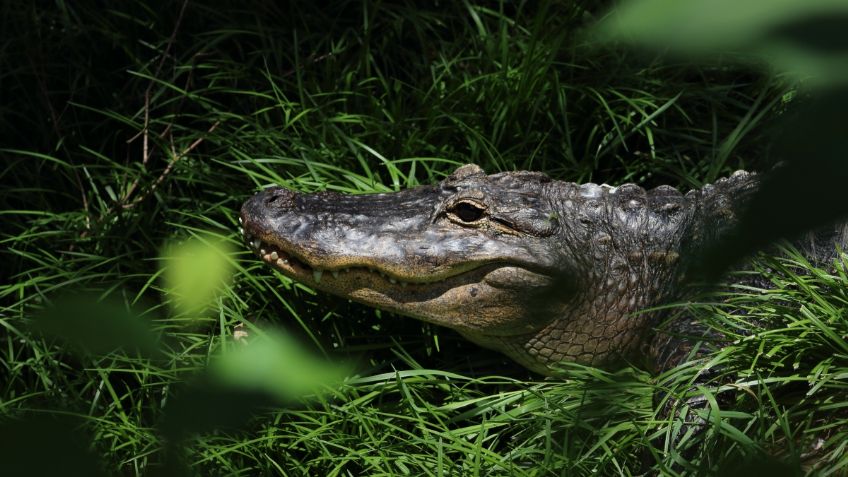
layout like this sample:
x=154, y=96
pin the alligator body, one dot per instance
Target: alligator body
x=541, y=270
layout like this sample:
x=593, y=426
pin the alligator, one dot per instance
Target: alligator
x=542, y=270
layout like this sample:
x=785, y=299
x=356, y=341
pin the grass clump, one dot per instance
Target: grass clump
x=126, y=128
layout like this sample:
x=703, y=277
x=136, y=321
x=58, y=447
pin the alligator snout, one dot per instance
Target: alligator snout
x=279, y=197
x=268, y=202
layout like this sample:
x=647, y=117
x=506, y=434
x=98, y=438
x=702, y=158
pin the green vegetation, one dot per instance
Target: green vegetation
x=130, y=128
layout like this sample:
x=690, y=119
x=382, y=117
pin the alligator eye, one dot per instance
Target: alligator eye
x=467, y=212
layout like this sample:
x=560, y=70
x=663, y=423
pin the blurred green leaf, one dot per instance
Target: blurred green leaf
x=801, y=37
x=270, y=368
x=760, y=464
x=807, y=39
x=92, y=324
x=46, y=445
x=204, y=405
x=805, y=192
x=276, y=363
x=195, y=272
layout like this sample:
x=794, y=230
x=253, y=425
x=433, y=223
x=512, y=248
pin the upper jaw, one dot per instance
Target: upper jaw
x=300, y=245
x=342, y=275
x=296, y=267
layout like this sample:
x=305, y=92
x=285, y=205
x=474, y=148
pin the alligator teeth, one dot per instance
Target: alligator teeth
x=392, y=280
x=403, y=284
x=282, y=262
x=335, y=273
x=256, y=243
x=274, y=256
x=316, y=274
x=262, y=251
x=241, y=221
x=241, y=230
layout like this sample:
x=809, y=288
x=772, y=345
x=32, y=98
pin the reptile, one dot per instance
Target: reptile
x=544, y=271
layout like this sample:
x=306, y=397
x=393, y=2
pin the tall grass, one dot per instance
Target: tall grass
x=128, y=127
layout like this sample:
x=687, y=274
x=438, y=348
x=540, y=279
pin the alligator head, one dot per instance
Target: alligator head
x=544, y=271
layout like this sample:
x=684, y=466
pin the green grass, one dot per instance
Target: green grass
x=125, y=129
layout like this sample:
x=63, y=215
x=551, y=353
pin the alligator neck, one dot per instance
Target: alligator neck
x=629, y=248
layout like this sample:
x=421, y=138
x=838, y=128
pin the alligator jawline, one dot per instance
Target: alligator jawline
x=295, y=267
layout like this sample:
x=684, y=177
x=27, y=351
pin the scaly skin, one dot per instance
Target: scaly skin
x=541, y=270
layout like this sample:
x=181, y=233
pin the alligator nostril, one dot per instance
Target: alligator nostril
x=281, y=198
